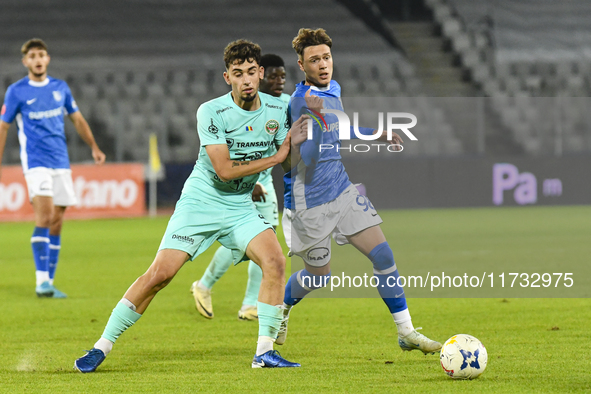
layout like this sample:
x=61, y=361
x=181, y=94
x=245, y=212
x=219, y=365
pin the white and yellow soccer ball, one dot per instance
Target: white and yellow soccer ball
x=463, y=357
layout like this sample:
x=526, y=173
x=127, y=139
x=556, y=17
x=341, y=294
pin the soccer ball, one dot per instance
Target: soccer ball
x=463, y=357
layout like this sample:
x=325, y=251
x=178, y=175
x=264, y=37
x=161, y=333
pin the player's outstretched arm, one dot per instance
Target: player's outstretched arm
x=228, y=169
x=85, y=133
x=3, y=133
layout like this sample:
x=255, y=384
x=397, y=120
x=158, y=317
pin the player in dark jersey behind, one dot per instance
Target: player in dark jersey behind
x=37, y=103
x=321, y=201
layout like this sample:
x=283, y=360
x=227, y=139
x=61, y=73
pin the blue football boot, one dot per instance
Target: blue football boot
x=272, y=359
x=90, y=361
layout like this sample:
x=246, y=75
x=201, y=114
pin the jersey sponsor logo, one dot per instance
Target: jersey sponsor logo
x=236, y=184
x=52, y=113
x=248, y=128
x=57, y=95
x=231, y=131
x=3, y=110
x=213, y=129
x=219, y=111
x=271, y=127
x=249, y=156
x=273, y=106
x=230, y=142
x=256, y=144
x=183, y=238
x=31, y=101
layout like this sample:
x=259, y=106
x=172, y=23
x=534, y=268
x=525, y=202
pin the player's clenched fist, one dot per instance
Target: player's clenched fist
x=313, y=103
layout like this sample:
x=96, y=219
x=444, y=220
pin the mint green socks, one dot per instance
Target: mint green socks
x=121, y=319
x=222, y=260
x=255, y=275
x=269, y=322
x=269, y=319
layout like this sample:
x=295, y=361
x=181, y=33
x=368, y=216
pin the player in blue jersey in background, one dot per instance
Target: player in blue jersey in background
x=320, y=201
x=265, y=199
x=38, y=103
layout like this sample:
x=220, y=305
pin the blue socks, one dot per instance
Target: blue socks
x=40, y=246
x=384, y=268
x=54, y=252
x=301, y=283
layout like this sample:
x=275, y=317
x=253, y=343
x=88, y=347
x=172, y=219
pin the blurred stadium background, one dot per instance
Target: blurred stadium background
x=487, y=79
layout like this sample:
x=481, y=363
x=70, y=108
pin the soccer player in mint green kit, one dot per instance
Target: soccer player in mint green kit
x=265, y=199
x=239, y=133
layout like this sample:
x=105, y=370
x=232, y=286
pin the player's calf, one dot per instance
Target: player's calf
x=298, y=286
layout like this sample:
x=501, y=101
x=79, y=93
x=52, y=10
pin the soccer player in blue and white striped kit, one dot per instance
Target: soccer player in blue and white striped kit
x=38, y=103
x=321, y=201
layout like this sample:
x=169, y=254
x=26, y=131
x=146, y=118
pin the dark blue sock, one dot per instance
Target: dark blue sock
x=301, y=283
x=384, y=268
x=54, y=252
x=40, y=246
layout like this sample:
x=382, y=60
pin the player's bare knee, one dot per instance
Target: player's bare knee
x=43, y=219
x=274, y=266
x=157, y=278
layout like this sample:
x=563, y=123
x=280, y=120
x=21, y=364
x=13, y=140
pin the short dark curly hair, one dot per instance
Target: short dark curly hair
x=271, y=60
x=309, y=37
x=33, y=43
x=241, y=51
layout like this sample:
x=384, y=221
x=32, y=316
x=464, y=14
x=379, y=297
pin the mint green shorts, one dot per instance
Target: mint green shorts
x=195, y=226
x=269, y=207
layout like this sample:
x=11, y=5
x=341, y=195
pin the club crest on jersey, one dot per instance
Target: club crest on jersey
x=272, y=126
x=57, y=95
x=213, y=129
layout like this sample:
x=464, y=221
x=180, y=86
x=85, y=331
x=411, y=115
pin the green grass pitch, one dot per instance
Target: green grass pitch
x=344, y=345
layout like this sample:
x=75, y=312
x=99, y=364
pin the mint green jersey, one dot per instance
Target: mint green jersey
x=285, y=98
x=265, y=177
x=249, y=135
